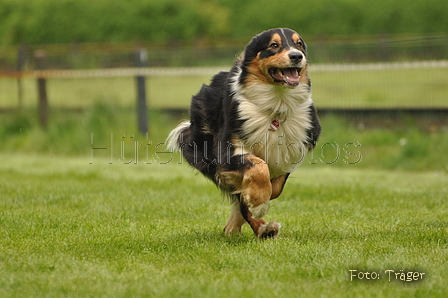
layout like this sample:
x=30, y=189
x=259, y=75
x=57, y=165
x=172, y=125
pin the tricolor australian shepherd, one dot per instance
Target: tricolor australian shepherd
x=252, y=126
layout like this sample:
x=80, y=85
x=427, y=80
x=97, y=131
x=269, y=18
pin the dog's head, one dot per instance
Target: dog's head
x=276, y=57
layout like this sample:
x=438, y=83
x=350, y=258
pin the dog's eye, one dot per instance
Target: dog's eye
x=274, y=45
x=299, y=43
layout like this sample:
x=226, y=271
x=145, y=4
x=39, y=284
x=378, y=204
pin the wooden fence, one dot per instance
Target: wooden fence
x=141, y=73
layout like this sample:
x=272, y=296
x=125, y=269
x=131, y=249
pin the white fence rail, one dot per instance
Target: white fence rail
x=182, y=71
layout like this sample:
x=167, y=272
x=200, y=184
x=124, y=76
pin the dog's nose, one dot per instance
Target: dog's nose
x=296, y=57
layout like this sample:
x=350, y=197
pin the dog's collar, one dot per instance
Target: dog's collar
x=275, y=124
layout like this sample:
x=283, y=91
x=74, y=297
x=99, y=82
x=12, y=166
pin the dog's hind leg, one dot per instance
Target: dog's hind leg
x=236, y=219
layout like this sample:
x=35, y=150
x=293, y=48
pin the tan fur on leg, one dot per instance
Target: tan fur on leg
x=256, y=187
x=253, y=184
x=261, y=228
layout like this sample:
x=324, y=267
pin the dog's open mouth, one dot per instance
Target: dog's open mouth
x=287, y=76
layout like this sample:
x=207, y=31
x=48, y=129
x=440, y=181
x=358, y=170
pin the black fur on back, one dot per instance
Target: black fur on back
x=207, y=143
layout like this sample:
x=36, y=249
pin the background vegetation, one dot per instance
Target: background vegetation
x=342, y=145
x=62, y=21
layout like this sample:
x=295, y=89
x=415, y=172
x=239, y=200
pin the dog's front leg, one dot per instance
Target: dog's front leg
x=253, y=186
x=261, y=228
x=277, y=185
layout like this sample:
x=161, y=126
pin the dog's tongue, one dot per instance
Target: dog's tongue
x=292, y=74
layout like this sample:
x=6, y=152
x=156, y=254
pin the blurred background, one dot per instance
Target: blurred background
x=70, y=69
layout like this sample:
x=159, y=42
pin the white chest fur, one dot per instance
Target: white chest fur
x=283, y=148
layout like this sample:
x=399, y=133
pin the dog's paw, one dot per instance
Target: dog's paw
x=269, y=230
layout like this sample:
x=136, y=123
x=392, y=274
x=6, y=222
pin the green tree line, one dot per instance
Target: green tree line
x=62, y=21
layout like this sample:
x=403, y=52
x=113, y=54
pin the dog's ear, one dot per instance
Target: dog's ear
x=257, y=38
x=252, y=48
x=304, y=46
x=257, y=44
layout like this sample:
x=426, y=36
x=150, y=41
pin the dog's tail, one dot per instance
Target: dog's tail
x=177, y=136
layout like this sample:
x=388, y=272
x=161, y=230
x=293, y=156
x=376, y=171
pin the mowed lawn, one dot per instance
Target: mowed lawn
x=73, y=229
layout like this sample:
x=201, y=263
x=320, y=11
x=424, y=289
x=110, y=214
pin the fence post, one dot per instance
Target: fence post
x=21, y=58
x=39, y=55
x=141, y=57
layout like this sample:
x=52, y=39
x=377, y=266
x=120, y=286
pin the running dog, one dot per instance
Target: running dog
x=252, y=126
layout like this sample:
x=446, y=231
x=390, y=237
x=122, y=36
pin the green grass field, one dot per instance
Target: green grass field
x=355, y=89
x=74, y=229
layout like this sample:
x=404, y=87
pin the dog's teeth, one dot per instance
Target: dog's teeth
x=280, y=72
